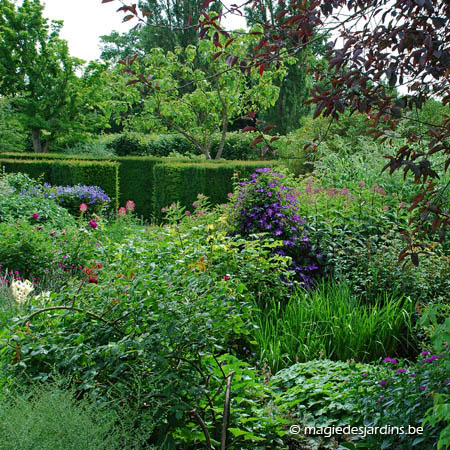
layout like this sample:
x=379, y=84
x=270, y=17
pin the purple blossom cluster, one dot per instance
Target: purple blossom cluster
x=265, y=205
x=70, y=197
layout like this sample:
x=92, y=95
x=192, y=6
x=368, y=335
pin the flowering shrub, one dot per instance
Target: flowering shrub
x=399, y=394
x=264, y=204
x=93, y=198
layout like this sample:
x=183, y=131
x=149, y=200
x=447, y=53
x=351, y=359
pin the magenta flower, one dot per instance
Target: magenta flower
x=401, y=370
x=383, y=383
x=187, y=213
x=83, y=207
x=226, y=277
x=93, y=224
x=391, y=360
x=122, y=212
x=35, y=216
x=413, y=375
x=364, y=375
x=447, y=382
x=425, y=353
x=130, y=205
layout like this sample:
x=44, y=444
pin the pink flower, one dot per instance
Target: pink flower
x=361, y=184
x=401, y=205
x=35, y=216
x=187, y=213
x=226, y=277
x=93, y=224
x=122, y=212
x=230, y=195
x=381, y=191
x=83, y=207
x=130, y=205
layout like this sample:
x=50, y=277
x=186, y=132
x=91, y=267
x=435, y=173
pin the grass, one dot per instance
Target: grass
x=332, y=323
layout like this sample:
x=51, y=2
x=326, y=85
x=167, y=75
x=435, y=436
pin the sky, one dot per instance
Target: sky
x=86, y=20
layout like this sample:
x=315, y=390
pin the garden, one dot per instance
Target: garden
x=289, y=294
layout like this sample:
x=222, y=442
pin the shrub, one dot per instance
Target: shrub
x=43, y=252
x=37, y=211
x=27, y=421
x=127, y=144
x=70, y=197
x=266, y=204
x=400, y=395
x=70, y=172
x=182, y=182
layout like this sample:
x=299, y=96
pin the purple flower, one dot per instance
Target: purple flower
x=390, y=360
x=447, y=382
x=425, y=353
x=401, y=370
x=383, y=383
x=413, y=375
x=35, y=216
x=93, y=224
x=364, y=375
x=422, y=387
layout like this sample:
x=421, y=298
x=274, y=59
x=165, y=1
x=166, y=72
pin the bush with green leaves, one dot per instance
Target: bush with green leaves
x=44, y=252
x=28, y=421
x=400, y=394
x=358, y=229
x=37, y=211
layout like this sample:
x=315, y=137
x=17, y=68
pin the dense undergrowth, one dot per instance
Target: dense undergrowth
x=227, y=325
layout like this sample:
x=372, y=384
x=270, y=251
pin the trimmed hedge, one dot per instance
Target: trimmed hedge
x=70, y=172
x=184, y=181
x=150, y=182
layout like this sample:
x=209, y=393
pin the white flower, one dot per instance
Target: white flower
x=21, y=290
x=43, y=297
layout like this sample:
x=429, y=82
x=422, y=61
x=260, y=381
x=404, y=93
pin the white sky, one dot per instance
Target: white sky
x=86, y=20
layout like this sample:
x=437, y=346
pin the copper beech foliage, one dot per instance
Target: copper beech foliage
x=379, y=45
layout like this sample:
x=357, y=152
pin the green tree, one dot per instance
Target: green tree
x=168, y=24
x=39, y=76
x=295, y=86
x=12, y=136
x=187, y=95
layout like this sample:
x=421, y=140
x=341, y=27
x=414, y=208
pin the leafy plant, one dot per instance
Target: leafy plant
x=331, y=322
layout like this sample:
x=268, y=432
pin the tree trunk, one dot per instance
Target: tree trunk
x=35, y=136
x=46, y=146
x=224, y=134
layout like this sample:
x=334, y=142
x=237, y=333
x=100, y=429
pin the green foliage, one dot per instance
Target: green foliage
x=331, y=322
x=37, y=71
x=15, y=207
x=12, y=137
x=400, y=395
x=65, y=172
x=137, y=183
x=315, y=393
x=38, y=252
x=210, y=102
x=183, y=182
x=165, y=301
x=236, y=146
x=27, y=421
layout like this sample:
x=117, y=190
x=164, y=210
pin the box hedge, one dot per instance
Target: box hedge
x=150, y=182
x=70, y=172
x=184, y=181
